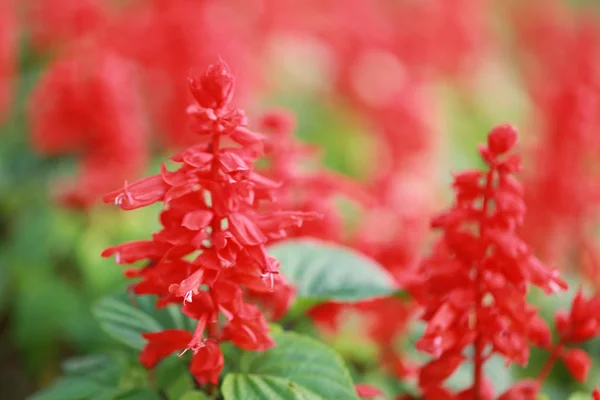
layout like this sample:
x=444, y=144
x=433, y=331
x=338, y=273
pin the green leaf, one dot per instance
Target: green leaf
x=237, y=386
x=140, y=394
x=194, y=395
x=124, y=322
x=86, y=364
x=173, y=377
x=297, y=368
x=580, y=396
x=76, y=388
x=92, y=377
x=323, y=271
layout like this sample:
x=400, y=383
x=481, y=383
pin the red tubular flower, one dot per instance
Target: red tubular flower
x=582, y=323
x=210, y=206
x=162, y=344
x=527, y=389
x=473, y=287
x=596, y=394
x=578, y=325
x=578, y=362
x=207, y=363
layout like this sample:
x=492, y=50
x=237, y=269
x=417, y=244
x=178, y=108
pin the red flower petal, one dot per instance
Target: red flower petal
x=367, y=391
x=161, y=344
x=578, y=362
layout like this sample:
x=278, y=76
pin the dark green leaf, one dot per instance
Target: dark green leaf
x=194, y=395
x=173, y=377
x=140, y=394
x=323, y=271
x=297, y=368
x=76, y=388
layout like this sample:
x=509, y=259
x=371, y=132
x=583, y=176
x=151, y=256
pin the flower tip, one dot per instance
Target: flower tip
x=502, y=139
x=214, y=89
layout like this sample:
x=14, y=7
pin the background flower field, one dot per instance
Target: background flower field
x=368, y=108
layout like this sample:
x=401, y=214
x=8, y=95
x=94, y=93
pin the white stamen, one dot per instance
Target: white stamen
x=554, y=287
x=119, y=199
x=118, y=257
x=188, y=297
x=268, y=275
x=182, y=353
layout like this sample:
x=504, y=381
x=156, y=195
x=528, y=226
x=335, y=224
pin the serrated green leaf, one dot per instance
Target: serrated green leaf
x=240, y=386
x=124, y=322
x=323, y=271
x=297, y=368
x=194, y=395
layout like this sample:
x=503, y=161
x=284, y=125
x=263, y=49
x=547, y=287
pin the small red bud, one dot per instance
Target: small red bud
x=502, y=139
x=214, y=89
x=578, y=362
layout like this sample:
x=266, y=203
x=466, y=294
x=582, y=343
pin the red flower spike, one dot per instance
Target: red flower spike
x=215, y=89
x=596, y=394
x=473, y=287
x=578, y=362
x=210, y=207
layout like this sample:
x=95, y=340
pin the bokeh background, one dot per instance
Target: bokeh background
x=395, y=93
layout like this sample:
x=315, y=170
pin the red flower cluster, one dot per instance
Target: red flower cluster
x=57, y=23
x=580, y=324
x=211, y=249
x=87, y=102
x=564, y=83
x=474, y=285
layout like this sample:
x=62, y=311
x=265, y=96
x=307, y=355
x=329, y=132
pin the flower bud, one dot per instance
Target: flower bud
x=502, y=139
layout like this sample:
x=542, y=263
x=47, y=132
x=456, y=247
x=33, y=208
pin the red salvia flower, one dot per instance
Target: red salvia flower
x=563, y=80
x=162, y=344
x=578, y=362
x=210, y=205
x=87, y=102
x=580, y=324
x=56, y=23
x=474, y=285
